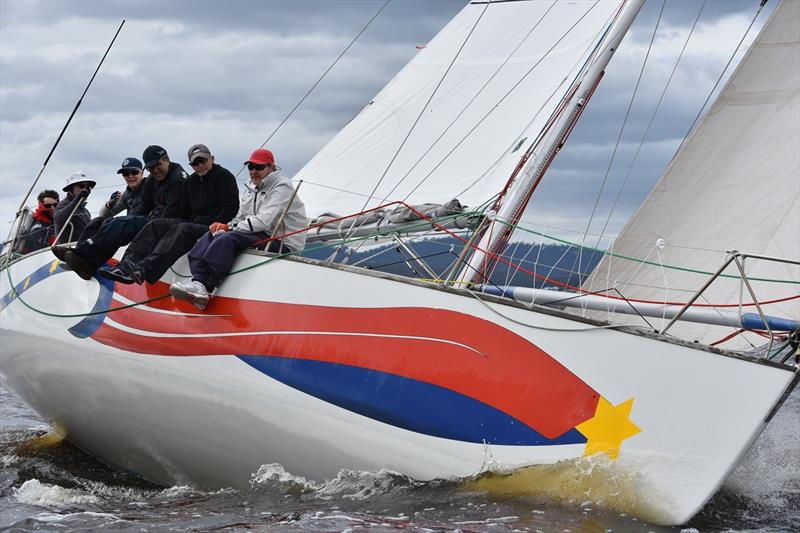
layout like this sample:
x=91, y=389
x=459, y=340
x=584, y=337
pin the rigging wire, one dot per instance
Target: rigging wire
x=621, y=131
x=649, y=125
x=694, y=122
x=422, y=111
x=468, y=104
x=721, y=75
x=497, y=105
x=319, y=80
x=60, y=135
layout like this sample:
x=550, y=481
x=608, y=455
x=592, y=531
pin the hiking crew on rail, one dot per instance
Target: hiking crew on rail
x=160, y=197
x=167, y=213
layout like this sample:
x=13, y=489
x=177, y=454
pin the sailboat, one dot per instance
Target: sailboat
x=321, y=365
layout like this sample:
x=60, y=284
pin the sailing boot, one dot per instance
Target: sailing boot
x=79, y=265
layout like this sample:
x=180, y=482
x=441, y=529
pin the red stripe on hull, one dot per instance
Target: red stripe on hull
x=454, y=350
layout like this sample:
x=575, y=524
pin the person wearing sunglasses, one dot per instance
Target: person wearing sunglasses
x=210, y=194
x=71, y=213
x=42, y=232
x=131, y=199
x=145, y=198
x=268, y=207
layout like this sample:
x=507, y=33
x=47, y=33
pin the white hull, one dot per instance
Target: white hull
x=417, y=396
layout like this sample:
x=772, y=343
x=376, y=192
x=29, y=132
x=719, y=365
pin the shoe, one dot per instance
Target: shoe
x=79, y=265
x=121, y=273
x=60, y=251
x=191, y=290
x=138, y=274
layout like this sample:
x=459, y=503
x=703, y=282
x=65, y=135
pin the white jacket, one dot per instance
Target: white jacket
x=260, y=208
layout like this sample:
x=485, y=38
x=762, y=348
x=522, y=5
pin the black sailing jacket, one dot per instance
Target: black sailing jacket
x=162, y=199
x=210, y=198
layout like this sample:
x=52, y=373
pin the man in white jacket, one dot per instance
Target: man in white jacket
x=264, y=211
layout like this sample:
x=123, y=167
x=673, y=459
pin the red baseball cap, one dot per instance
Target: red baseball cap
x=261, y=156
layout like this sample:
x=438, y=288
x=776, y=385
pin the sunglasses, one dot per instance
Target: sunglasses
x=199, y=161
x=151, y=167
x=129, y=173
x=84, y=185
x=50, y=206
x=251, y=166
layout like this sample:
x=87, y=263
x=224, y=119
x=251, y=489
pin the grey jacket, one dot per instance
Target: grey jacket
x=260, y=209
x=130, y=201
x=76, y=224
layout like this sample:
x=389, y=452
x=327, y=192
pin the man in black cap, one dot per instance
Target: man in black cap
x=129, y=201
x=161, y=196
x=210, y=195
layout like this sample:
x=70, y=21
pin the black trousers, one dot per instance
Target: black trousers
x=160, y=243
x=111, y=234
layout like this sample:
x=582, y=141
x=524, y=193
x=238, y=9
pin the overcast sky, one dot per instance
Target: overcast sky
x=226, y=74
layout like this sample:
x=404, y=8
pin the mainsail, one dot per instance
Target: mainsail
x=733, y=185
x=456, y=120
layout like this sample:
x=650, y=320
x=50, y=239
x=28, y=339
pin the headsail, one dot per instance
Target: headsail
x=734, y=185
x=455, y=121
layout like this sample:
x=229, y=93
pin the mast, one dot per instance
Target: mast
x=537, y=159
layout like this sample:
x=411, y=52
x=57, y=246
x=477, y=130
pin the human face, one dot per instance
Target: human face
x=133, y=177
x=159, y=171
x=258, y=172
x=49, y=203
x=202, y=165
x=78, y=187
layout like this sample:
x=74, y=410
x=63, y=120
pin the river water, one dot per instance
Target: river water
x=52, y=486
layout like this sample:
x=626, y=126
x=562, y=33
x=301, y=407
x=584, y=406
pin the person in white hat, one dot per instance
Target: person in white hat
x=77, y=188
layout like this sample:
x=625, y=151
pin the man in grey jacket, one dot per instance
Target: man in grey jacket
x=268, y=207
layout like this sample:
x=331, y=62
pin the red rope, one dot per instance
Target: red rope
x=509, y=263
x=728, y=337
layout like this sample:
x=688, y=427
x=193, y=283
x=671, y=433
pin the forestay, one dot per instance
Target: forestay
x=735, y=184
x=479, y=93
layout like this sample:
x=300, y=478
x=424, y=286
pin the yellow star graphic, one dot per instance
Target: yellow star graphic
x=27, y=282
x=54, y=265
x=609, y=426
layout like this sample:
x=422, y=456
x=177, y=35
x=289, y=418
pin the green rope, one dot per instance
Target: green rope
x=18, y=296
x=637, y=260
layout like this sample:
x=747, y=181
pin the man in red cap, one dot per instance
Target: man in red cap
x=268, y=208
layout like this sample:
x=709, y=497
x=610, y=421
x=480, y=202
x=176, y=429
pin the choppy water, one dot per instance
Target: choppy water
x=59, y=488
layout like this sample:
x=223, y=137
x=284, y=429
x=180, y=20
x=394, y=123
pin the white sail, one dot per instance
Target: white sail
x=734, y=185
x=455, y=121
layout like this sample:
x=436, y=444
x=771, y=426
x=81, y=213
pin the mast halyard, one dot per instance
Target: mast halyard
x=537, y=159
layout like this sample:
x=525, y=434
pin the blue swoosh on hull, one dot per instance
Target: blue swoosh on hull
x=88, y=324
x=405, y=403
